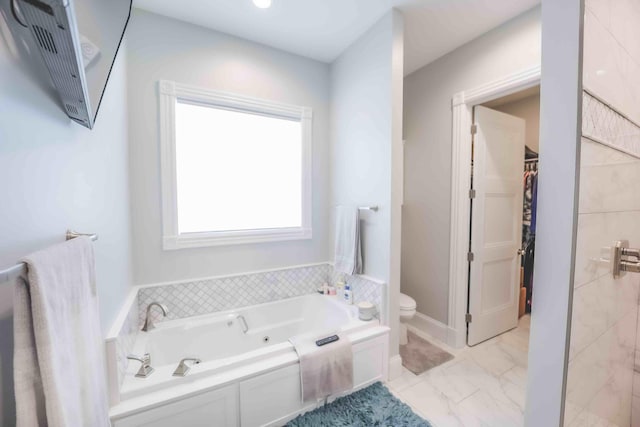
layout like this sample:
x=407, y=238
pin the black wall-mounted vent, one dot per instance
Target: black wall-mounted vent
x=60, y=40
x=42, y=6
x=71, y=109
x=45, y=39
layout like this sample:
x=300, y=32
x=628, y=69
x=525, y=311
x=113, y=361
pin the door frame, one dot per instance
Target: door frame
x=462, y=104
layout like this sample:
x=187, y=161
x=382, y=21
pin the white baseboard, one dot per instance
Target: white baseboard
x=430, y=326
x=395, y=367
x=439, y=331
x=457, y=338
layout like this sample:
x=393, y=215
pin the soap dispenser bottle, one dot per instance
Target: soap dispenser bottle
x=340, y=285
x=348, y=294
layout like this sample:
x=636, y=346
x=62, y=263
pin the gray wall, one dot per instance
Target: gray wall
x=57, y=175
x=509, y=48
x=364, y=87
x=164, y=48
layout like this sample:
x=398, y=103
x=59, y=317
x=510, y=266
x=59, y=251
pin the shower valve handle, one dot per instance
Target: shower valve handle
x=624, y=259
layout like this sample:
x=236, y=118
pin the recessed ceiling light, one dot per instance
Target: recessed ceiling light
x=262, y=4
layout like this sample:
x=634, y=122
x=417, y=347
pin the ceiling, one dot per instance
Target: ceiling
x=323, y=29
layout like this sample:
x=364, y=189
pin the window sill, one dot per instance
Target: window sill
x=200, y=240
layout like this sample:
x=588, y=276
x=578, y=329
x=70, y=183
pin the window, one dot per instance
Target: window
x=234, y=169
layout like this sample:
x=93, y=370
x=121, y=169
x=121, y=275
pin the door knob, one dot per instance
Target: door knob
x=521, y=251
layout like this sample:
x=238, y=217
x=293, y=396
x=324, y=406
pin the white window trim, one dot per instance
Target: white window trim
x=169, y=93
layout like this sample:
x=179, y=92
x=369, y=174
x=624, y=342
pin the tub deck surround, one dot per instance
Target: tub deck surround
x=246, y=361
x=219, y=342
x=374, y=338
x=187, y=299
x=119, y=343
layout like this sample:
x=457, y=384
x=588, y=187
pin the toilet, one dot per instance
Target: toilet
x=407, y=311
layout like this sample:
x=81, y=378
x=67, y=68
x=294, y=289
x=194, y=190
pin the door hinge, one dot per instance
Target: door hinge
x=472, y=194
x=468, y=317
x=474, y=129
x=470, y=256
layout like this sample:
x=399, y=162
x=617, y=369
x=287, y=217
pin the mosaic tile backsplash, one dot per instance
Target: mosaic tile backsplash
x=197, y=297
x=605, y=125
x=362, y=288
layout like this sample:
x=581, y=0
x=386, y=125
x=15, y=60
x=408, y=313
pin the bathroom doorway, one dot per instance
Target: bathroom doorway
x=486, y=381
x=503, y=200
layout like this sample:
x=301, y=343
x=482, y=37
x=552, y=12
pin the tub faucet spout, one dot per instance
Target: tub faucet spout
x=183, y=368
x=245, y=326
x=148, y=322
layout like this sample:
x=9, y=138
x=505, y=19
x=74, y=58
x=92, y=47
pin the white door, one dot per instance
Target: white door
x=496, y=224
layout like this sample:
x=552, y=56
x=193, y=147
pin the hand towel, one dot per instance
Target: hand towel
x=59, y=368
x=324, y=370
x=348, y=247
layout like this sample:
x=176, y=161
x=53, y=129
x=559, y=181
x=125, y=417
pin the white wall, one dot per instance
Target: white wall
x=164, y=48
x=560, y=98
x=528, y=109
x=510, y=48
x=57, y=175
x=366, y=91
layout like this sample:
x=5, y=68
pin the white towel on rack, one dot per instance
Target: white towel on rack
x=59, y=369
x=348, y=247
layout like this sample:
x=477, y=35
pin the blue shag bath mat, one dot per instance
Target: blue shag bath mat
x=369, y=407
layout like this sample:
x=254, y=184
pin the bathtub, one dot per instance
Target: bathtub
x=241, y=371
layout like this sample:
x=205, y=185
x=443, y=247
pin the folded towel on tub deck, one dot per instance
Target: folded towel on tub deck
x=348, y=246
x=324, y=370
x=59, y=369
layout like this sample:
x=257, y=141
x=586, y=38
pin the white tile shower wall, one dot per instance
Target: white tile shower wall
x=635, y=399
x=604, y=316
x=196, y=297
x=612, y=53
x=601, y=377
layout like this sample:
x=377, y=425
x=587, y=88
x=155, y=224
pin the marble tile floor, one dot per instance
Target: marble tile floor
x=483, y=385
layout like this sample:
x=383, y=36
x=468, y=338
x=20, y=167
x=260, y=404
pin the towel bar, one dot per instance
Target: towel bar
x=368, y=208
x=17, y=270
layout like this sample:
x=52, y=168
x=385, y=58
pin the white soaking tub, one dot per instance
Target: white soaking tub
x=244, y=379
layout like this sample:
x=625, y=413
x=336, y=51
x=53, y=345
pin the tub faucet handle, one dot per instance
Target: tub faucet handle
x=245, y=326
x=148, y=322
x=183, y=368
x=145, y=369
